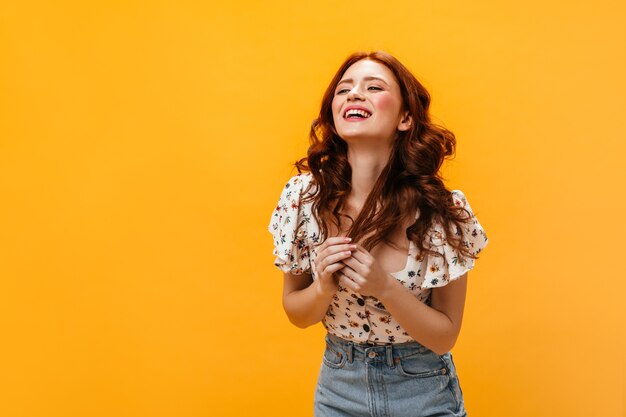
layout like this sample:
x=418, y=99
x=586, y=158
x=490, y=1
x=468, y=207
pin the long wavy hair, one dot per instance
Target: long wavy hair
x=409, y=183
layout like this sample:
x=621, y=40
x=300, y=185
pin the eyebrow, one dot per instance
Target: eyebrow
x=369, y=78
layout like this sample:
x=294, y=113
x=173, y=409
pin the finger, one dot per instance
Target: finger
x=361, y=268
x=334, y=253
x=336, y=258
x=335, y=240
x=352, y=263
x=348, y=283
x=361, y=254
x=334, y=268
x=339, y=247
x=331, y=250
x=352, y=275
x=362, y=259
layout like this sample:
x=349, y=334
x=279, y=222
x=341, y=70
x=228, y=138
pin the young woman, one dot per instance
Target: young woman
x=372, y=244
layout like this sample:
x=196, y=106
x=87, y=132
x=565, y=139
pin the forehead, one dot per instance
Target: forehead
x=367, y=68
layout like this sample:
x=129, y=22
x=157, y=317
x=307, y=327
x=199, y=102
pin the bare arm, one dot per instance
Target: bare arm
x=306, y=300
x=436, y=327
x=303, y=300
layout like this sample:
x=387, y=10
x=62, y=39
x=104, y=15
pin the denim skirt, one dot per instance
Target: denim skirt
x=390, y=380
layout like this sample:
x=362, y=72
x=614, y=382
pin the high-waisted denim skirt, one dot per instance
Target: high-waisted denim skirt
x=393, y=380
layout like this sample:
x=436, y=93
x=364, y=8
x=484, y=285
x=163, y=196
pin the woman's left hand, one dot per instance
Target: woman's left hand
x=364, y=275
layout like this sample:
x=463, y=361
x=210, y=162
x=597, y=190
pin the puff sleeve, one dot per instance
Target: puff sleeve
x=440, y=270
x=289, y=227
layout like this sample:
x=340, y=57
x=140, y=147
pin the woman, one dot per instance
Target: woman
x=372, y=244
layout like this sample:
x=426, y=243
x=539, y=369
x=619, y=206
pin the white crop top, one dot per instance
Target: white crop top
x=350, y=315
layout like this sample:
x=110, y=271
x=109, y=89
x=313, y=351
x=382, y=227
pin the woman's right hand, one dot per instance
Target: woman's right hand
x=330, y=255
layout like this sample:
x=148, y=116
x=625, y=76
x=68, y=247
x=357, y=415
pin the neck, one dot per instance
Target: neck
x=366, y=164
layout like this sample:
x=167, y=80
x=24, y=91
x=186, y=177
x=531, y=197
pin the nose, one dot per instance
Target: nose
x=355, y=93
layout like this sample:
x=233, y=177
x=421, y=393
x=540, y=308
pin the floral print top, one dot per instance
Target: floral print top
x=350, y=315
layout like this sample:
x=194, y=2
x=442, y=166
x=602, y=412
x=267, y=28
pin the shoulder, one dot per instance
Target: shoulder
x=460, y=200
x=295, y=194
x=458, y=197
x=300, y=180
x=438, y=231
x=473, y=228
x=289, y=226
x=299, y=184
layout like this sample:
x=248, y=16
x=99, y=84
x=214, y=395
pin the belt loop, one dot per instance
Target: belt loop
x=389, y=354
x=350, y=351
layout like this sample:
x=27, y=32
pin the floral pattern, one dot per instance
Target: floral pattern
x=350, y=315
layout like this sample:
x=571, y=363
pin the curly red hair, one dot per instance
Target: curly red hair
x=410, y=181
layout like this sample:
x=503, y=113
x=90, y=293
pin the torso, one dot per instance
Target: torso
x=351, y=315
x=392, y=257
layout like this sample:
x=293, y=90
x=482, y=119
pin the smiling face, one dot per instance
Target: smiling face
x=367, y=104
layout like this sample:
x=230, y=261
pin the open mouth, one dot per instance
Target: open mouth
x=356, y=114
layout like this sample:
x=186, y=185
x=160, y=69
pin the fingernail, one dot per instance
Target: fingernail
x=348, y=239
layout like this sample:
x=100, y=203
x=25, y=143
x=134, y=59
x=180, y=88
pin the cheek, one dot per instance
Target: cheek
x=335, y=106
x=385, y=102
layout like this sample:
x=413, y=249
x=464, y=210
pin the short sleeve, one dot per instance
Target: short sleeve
x=289, y=227
x=440, y=270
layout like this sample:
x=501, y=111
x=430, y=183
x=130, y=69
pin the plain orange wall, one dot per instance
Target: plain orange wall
x=143, y=146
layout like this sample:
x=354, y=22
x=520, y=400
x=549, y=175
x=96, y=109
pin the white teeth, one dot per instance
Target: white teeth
x=353, y=112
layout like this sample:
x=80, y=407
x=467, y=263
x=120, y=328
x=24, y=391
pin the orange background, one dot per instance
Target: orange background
x=143, y=146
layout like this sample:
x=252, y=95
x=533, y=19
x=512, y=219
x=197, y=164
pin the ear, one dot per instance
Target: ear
x=405, y=122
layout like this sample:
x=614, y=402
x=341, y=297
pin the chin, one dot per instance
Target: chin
x=351, y=137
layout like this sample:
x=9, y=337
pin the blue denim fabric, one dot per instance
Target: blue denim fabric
x=393, y=380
